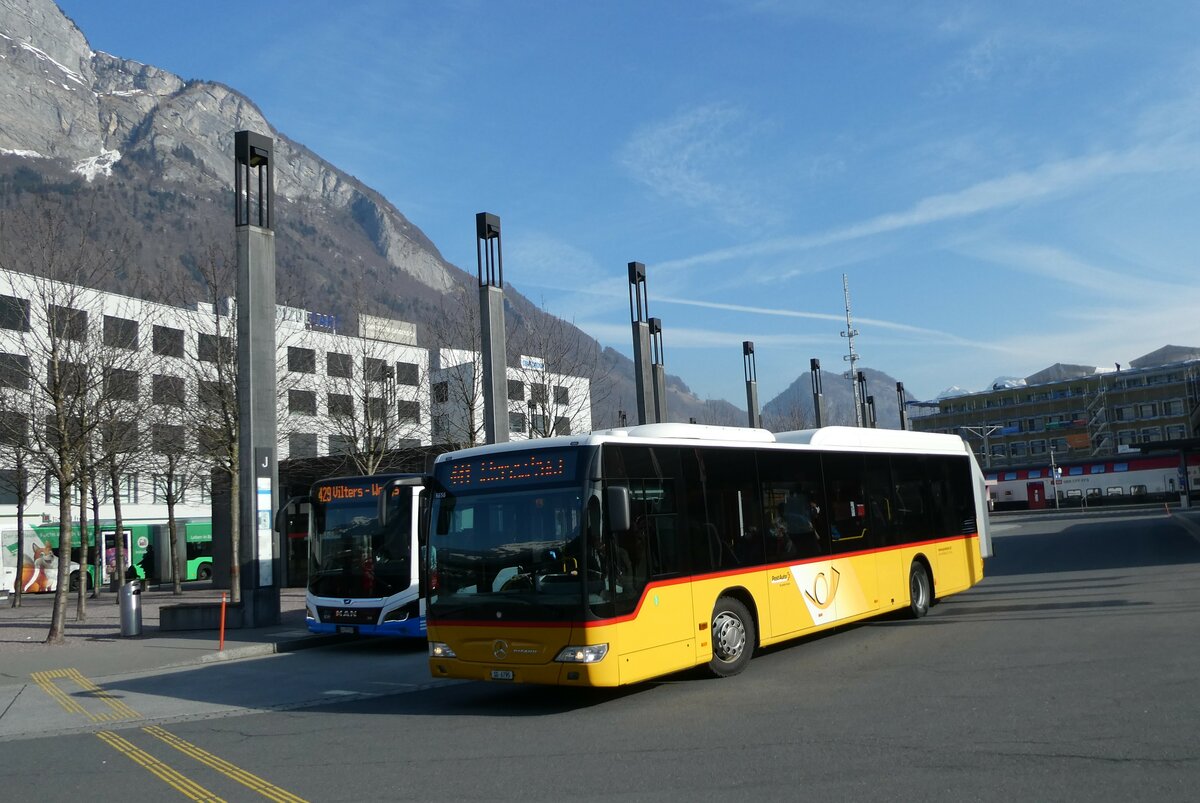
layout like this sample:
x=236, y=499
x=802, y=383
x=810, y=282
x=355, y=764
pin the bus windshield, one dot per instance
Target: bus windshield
x=350, y=554
x=511, y=549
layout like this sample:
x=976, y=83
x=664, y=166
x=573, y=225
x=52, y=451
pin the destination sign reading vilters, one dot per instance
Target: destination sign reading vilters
x=341, y=492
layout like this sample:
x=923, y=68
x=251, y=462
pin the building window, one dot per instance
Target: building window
x=441, y=392
x=562, y=425
x=340, y=366
x=1037, y=447
x=1176, y=432
x=210, y=395
x=516, y=391
x=68, y=323
x=120, y=437
x=167, y=341
x=120, y=333
x=14, y=313
x=1126, y=437
x=537, y=393
x=1147, y=410
x=341, y=444
x=1017, y=449
x=213, y=348
x=14, y=371
x=408, y=373
x=70, y=380
x=516, y=421
x=340, y=405
x=302, y=444
x=302, y=361
x=561, y=395
x=409, y=412
x=374, y=370
x=14, y=429
x=376, y=408
x=302, y=402
x=168, y=390
x=120, y=384
x=1172, y=407
x=1149, y=434
x=8, y=488
x=167, y=439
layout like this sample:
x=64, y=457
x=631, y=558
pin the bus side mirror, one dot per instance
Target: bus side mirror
x=290, y=508
x=620, y=519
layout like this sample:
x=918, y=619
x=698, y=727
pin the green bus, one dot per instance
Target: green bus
x=37, y=570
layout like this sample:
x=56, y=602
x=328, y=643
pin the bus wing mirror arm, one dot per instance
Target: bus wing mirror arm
x=292, y=505
x=619, y=509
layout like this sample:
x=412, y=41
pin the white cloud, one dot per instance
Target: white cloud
x=1049, y=180
x=689, y=159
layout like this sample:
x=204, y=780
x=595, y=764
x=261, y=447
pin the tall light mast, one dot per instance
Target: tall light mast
x=851, y=357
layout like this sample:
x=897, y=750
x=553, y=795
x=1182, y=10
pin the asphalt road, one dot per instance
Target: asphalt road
x=1068, y=674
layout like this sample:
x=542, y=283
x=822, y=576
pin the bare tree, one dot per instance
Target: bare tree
x=562, y=367
x=46, y=315
x=457, y=380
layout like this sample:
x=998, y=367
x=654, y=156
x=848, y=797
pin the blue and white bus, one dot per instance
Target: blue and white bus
x=365, y=538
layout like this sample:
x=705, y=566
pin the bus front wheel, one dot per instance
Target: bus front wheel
x=920, y=590
x=733, y=637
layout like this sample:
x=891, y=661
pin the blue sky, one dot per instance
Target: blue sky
x=1006, y=185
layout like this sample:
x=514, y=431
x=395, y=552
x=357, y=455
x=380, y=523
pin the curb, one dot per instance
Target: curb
x=274, y=648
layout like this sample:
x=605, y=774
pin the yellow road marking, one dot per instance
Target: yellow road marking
x=118, y=709
x=247, y=779
x=46, y=681
x=175, y=780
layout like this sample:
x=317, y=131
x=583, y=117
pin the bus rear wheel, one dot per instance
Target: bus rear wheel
x=733, y=637
x=920, y=590
x=204, y=572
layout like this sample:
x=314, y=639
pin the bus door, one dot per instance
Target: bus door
x=860, y=513
x=1037, y=495
x=108, y=539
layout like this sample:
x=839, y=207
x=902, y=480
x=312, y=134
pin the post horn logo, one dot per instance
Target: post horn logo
x=824, y=589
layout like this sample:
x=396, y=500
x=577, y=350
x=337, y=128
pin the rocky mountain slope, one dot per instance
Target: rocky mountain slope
x=150, y=155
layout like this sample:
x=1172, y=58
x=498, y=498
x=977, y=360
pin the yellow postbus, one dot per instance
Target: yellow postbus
x=627, y=554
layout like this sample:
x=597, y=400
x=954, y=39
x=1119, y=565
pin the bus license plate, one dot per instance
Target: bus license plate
x=502, y=674
x=346, y=629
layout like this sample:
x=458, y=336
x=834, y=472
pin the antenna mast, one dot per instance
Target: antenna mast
x=851, y=357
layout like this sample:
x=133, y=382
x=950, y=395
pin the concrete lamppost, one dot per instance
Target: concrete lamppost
x=490, y=269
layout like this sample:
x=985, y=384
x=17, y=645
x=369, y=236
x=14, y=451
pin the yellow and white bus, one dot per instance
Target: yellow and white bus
x=627, y=554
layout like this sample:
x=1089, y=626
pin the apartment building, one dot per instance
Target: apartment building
x=1078, y=412
x=336, y=390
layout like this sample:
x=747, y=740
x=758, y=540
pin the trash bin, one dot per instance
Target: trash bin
x=131, y=609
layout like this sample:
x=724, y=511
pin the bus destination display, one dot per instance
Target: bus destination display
x=345, y=492
x=510, y=470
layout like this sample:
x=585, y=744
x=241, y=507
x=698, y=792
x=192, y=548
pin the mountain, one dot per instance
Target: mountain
x=151, y=155
x=793, y=408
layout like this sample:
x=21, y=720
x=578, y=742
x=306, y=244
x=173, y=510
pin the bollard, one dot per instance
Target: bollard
x=131, y=608
x=221, y=643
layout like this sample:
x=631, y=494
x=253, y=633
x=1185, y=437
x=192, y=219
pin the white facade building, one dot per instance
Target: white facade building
x=334, y=389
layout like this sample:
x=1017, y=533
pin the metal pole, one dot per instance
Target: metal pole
x=750, y=369
x=814, y=367
x=639, y=315
x=900, y=401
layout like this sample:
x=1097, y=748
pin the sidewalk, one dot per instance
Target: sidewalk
x=97, y=649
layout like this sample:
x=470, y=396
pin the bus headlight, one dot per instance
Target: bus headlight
x=590, y=654
x=312, y=614
x=438, y=649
